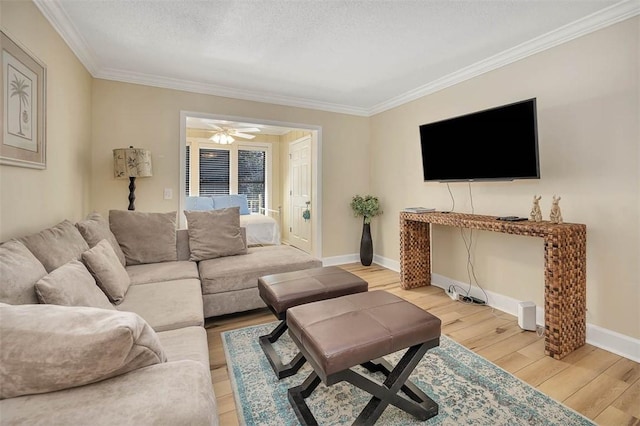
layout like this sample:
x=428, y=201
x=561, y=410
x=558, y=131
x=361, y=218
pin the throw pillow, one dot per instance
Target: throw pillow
x=19, y=271
x=59, y=347
x=214, y=233
x=199, y=203
x=107, y=270
x=71, y=285
x=231, y=200
x=95, y=228
x=55, y=246
x=145, y=237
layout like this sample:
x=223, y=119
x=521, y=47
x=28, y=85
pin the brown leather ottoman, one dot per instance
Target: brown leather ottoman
x=286, y=290
x=371, y=325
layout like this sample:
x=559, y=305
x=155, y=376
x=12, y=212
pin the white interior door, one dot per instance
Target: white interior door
x=300, y=194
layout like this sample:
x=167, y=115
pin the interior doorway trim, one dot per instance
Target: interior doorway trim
x=316, y=172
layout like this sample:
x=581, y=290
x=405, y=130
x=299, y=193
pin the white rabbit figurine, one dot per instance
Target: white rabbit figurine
x=536, y=213
x=556, y=215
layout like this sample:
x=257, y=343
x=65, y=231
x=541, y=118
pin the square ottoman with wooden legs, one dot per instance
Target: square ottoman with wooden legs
x=286, y=290
x=338, y=334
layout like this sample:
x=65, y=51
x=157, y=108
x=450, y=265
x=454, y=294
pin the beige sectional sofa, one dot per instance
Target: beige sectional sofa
x=81, y=343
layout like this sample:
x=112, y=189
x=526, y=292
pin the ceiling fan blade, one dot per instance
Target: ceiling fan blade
x=246, y=130
x=217, y=128
x=243, y=135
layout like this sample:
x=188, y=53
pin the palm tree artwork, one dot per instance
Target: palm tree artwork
x=19, y=88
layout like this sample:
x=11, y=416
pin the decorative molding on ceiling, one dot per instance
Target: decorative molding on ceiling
x=56, y=15
x=212, y=89
x=61, y=22
x=596, y=21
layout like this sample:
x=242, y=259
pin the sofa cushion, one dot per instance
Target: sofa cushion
x=166, y=305
x=186, y=343
x=58, y=347
x=110, y=275
x=71, y=285
x=19, y=272
x=165, y=271
x=57, y=245
x=171, y=393
x=145, y=237
x=241, y=272
x=231, y=200
x=182, y=244
x=95, y=228
x=214, y=233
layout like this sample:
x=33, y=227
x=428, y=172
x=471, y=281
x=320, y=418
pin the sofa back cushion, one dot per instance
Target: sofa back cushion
x=182, y=244
x=214, y=233
x=71, y=285
x=107, y=270
x=59, y=347
x=19, y=271
x=57, y=245
x=145, y=237
x=94, y=229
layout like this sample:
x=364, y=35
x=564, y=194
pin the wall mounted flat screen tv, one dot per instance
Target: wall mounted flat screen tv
x=500, y=143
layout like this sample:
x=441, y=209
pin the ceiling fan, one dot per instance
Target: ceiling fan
x=225, y=135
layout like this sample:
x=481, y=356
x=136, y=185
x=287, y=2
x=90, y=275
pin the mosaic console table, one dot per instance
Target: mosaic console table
x=565, y=267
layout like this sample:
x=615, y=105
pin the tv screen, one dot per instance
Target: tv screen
x=500, y=143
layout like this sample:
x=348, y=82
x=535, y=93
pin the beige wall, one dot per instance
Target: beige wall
x=32, y=199
x=587, y=95
x=149, y=117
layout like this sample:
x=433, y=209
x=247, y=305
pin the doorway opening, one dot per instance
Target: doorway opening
x=275, y=165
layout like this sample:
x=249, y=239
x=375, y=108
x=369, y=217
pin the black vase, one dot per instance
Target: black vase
x=366, y=245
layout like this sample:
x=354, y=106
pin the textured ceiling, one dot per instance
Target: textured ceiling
x=355, y=56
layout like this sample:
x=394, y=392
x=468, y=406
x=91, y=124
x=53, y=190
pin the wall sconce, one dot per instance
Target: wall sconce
x=131, y=163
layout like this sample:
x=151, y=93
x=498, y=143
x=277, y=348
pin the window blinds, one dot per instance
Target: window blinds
x=251, y=177
x=214, y=172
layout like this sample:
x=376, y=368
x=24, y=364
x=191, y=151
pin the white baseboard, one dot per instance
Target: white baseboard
x=387, y=263
x=355, y=258
x=603, y=338
x=612, y=341
x=340, y=260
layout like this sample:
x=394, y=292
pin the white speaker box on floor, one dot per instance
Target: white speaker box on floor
x=527, y=315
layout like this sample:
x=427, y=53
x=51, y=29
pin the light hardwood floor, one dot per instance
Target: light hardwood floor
x=601, y=385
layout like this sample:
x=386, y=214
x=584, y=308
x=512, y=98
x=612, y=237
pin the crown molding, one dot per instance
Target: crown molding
x=598, y=20
x=61, y=22
x=227, y=92
x=58, y=18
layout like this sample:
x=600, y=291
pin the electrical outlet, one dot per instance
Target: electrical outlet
x=452, y=294
x=168, y=193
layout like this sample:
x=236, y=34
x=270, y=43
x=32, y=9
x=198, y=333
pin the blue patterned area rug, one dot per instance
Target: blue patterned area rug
x=469, y=389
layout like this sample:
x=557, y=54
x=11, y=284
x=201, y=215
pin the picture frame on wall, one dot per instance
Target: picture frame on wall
x=23, y=106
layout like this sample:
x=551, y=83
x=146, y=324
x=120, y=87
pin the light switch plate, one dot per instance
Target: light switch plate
x=168, y=193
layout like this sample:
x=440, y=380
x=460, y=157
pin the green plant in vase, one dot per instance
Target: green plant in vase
x=366, y=207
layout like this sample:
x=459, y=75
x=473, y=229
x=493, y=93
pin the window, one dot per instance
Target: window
x=251, y=177
x=188, y=170
x=214, y=172
x=235, y=169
